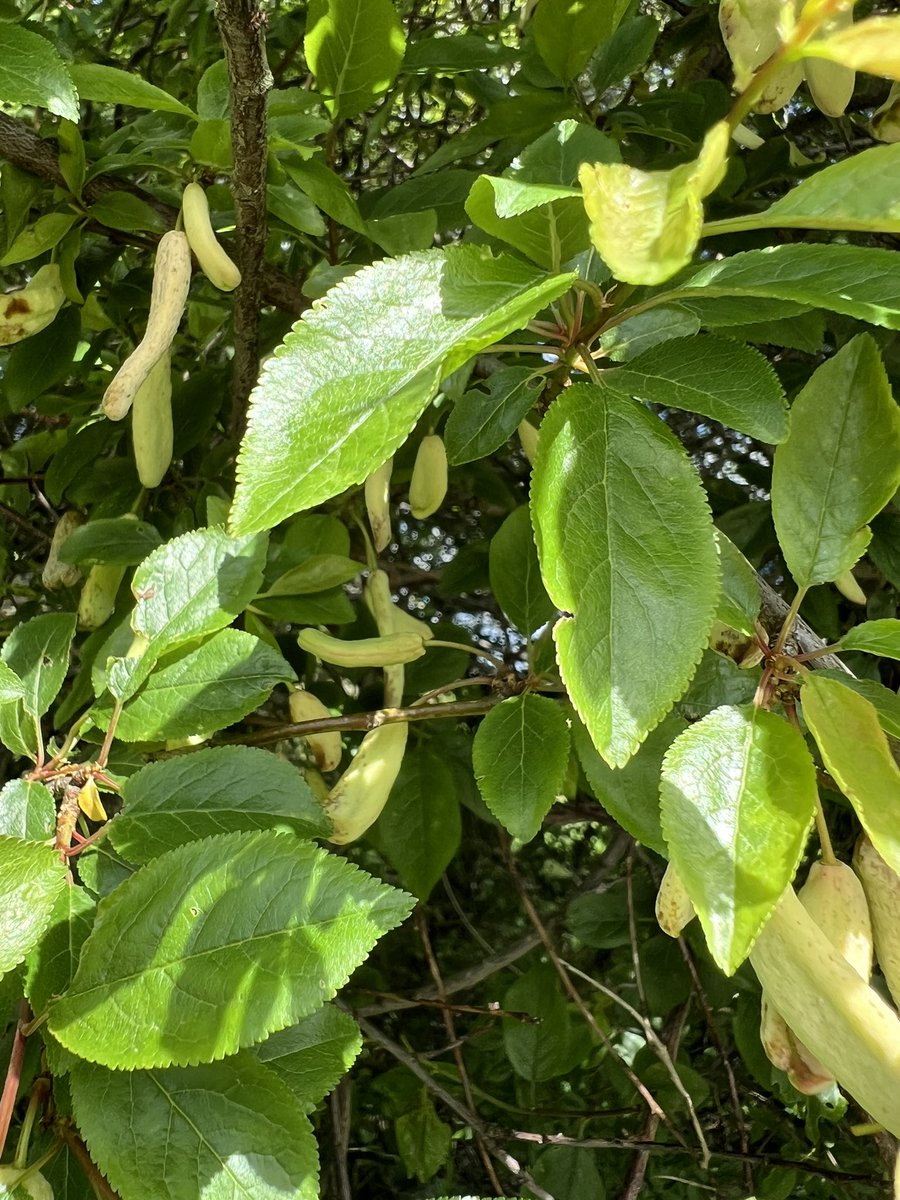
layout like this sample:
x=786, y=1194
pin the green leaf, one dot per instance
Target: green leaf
x=419, y=830
x=27, y=810
x=37, y=363
x=227, y=1129
x=318, y=573
x=110, y=540
x=737, y=797
x=333, y=427
x=516, y=575
x=11, y=686
x=312, y=1056
x=520, y=756
x=569, y=1173
x=714, y=376
x=567, y=32
x=543, y=1049
x=124, y=210
x=482, y=421
x=455, y=54
x=354, y=49
x=547, y=222
x=179, y=984
x=31, y=878
x=631, y=794
x=110, y=85
x=328, y=191
x=858, y=194
x=186, y=589
x=643, y=331
x=32, y=72
x=858, y=281
x=875, y=637
x=739, y=601
x=47, y=231
x=839, y=466
x=625, y=541
x=423, y=1139
x=645, y=224
x=38, y=652
x=209, y=688
x=212, y=791
x=857, y=755
x=885, y=702
x=51, y=965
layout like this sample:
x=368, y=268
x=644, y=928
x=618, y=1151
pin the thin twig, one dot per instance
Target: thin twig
x=700, y=993
x=456, y=1046
x=634, y=1183
x=461, y=982
x=242, y=25
x=340, y=1125
x=80, y=1151
x=364, y=721
x=374, y=1034
x=575, y=996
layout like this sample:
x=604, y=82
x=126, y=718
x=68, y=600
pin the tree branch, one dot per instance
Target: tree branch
x=23, y=148
x=241, y=24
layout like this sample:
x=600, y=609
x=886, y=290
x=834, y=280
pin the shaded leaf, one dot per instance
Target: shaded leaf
x=110, y=85
x=875, y=637
x=354, y=49
x=419, y=830
x=520, y=756
x=714, y=376
x=313, y=1055
x=839, y=466
x=481, y=421
x=856, y=753
x=515, y=573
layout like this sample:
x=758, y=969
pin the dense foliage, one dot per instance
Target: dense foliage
x=507, y=504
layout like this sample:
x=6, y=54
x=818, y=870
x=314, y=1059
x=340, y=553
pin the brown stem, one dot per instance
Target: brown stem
x=450, y=1026
x=364, y=721
x=80, y=1151
x=242, y=26
x=13, y=1073
x=475, y=1123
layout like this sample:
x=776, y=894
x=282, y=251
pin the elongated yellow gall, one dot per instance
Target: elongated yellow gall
x=428, y=485
x=384, y=651
x=152, y=433
x=359, y=796
x=378, y=505
x=171, y=281
x=325, y=748
x=214, y=262
x=882, y=888
x=56, y=573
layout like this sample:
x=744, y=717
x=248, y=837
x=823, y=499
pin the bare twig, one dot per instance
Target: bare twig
x=575, y=996
x=79, y=1149
x=340, y=1124
x=364, y=721
x=468, y=978
x=713, y=1028
x=456, y=1046
x=374, y=1034
x=635, y=1181
x=242, y=24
